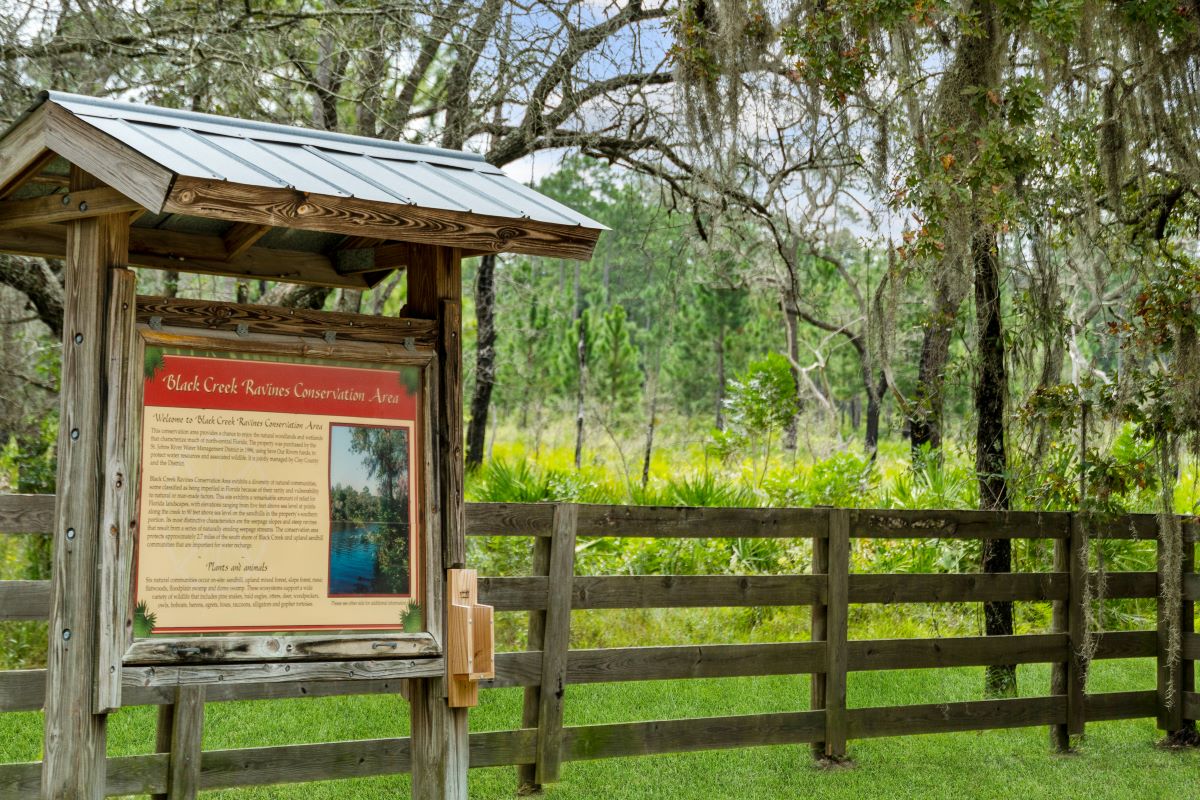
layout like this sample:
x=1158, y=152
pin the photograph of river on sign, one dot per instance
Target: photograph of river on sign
x=370, y=527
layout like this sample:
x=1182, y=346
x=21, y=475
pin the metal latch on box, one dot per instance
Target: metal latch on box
x=470, y=639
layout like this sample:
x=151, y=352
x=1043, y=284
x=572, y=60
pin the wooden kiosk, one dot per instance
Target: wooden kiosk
x=182, y=451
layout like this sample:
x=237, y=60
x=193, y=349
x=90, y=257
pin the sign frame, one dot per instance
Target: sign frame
x=238, y=657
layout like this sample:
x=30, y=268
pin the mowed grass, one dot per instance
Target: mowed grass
x=1116, y=760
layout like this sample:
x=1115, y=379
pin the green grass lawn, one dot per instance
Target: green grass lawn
x=1116, y=760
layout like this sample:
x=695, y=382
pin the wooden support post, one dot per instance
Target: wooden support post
x=1170, y=666
x=837, y=622
x=119, y=492
x=526, y=778
x=439, y=733
x=555, y=644
x=1060, y=739
x=74, y=763
x=819, y=630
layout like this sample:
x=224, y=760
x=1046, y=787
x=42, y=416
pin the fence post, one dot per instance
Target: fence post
x=1170, y=666
x=555, y=643
x=180, y=733
x=820, y=625
x=1060, y=613
x=1077, y=627
x=837, y=624
x=526, y=782
x=1187, y=624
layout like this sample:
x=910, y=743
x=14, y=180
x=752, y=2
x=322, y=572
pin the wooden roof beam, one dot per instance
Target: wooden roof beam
x=23, y=153
x=287, y=208
x=190, y=252
x=242, y=236
x=65, y=207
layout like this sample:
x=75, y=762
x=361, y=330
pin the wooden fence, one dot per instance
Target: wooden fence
x=539, y=747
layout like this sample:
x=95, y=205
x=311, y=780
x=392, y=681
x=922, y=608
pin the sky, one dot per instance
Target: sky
x=347, y=468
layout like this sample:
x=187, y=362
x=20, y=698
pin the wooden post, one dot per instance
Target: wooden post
x=187, y=733
x=1060, y=739
x=556, y=642
x=526, y=777
x=1170, y=667
x=163, y=732
x=439, y=733
x=74, y=765
x=837, y=624
x=115, y=547
x=1187, y=622
x=819, y=629
x=1076, y=626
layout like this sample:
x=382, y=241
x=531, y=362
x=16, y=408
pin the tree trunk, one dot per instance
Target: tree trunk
x=792, y=325
x=874, y=408
x=581, y=356
x=925, y=422
x=720, y=347
x=485, y=359
x=991, y=462
x=650, y=424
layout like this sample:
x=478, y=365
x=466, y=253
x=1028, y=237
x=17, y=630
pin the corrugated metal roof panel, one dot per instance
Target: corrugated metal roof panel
x=265, y=131
x=318, y=162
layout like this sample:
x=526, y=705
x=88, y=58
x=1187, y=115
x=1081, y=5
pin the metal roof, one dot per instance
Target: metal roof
x=240, y=151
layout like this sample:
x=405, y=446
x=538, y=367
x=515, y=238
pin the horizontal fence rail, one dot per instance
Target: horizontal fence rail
x=544, y=742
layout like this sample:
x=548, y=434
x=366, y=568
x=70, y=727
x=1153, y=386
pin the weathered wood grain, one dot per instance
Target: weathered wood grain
x=972, y=715
x=145, y=677
x=1191, y=585
x=118, y=491
x=705, y=523
x=241, y=236
x=187, y=733
x=509, y=519
x=272, y=345
x=532, y=699
x=74, y=737
x=555, y=644
x=22, y=689
x=964, y=651
x=287, y=208
x=957, y=588
x=27, y=513
x=694, y=661
x=588, y=742
x=1077, y=557
x=656, y=591
x=905, y=524
x=112, y=162
x=439, y=733
x=23, y=152
x=837, y=630
x=65, y=207
x=24, y=600
x=1060, y=737
x=198, y=650
x=1191, y=646
x=1168, y=665
x=200, y=253
x=819, y=628
x=1187, y=627
x=207, y=315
